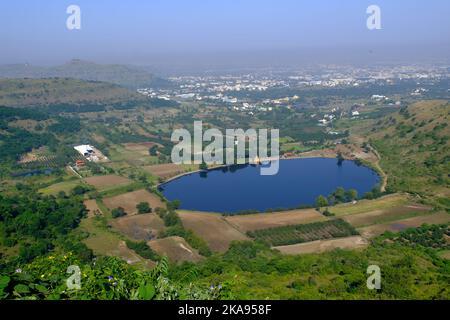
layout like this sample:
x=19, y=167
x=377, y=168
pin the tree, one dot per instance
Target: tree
x=368, y=195
x=143, y=207
x=352, y=194
x=321, y=201
x=171, y=219
x=203, y=166
x=118, y=212
x=62, y=195
x=173, y=205
x=340, y=158
x=340, y=194
x=153, y=151
x=79, y=190
x=327, y=213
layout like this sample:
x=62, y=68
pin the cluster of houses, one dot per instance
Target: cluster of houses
x=419, y=91
x=379, y=97
x=327, y=118
x=148, y=92
x=250, y=108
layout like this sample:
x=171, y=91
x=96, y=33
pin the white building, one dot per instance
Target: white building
x=85, y=150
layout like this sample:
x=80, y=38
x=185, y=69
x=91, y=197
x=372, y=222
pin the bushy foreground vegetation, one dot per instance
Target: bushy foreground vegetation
x=248, y=270
x=35, y=224
x=253, y=271
x=105, y=278
x=142, y=249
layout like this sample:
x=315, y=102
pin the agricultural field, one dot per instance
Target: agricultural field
x=213, y=228
x=34, y=155
x=400, y=225
x=136, y=155
x=99, y=239
x=64, y=186
x=129, y=200
x=355, y=242
x=169, y=170
x=140, y=147
x=141, y=227
x=386, y=215
x=105, y=242
x=176, y=249
x=102, y=183
x=92, y=208
x=432, y=236
x=252, y=222
x=362, y=206
x=304, y=232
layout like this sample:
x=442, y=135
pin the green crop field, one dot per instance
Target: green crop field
x=286, y=235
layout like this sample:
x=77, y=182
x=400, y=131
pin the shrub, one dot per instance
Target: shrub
x=142, y=249
x=79, y=190
x=118, y=212
x=143, y=207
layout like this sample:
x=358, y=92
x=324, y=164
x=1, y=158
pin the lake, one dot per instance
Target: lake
x=239, y=188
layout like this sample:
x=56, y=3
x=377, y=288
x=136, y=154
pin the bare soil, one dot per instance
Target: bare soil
x=176, y=249
x=355, y=242
x=102, y=182
x=259, y=221
x=213, y=228
x=141, y=227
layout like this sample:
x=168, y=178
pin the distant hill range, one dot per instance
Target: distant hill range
x=123, y=75
x=41, y=92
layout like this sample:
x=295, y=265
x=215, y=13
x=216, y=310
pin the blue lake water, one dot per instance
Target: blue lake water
x=239, y=188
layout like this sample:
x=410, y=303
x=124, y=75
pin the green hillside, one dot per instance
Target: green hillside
x=413, y=144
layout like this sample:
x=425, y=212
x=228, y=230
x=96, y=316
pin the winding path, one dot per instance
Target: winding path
x=379, y=169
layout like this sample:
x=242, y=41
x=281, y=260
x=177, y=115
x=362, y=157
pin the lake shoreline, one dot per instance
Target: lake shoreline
x=226, y=165
x=320, y=176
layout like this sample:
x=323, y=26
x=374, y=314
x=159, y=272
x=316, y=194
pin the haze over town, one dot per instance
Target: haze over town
x=203, y=35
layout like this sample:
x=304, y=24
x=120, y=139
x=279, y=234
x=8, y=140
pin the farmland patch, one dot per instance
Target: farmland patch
x=92, y=208
x=129, y=200
x=106, y=182
x=253, y=222
x=362, y=206
x=213, y=228
x=142, y=227
x=400, y=225
x=304, y=232
x=169, y=170
x=386, y=215
x=318, y=246
x=176, y=249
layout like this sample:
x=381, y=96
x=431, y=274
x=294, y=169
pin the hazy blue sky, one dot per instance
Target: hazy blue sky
x=165, y=31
